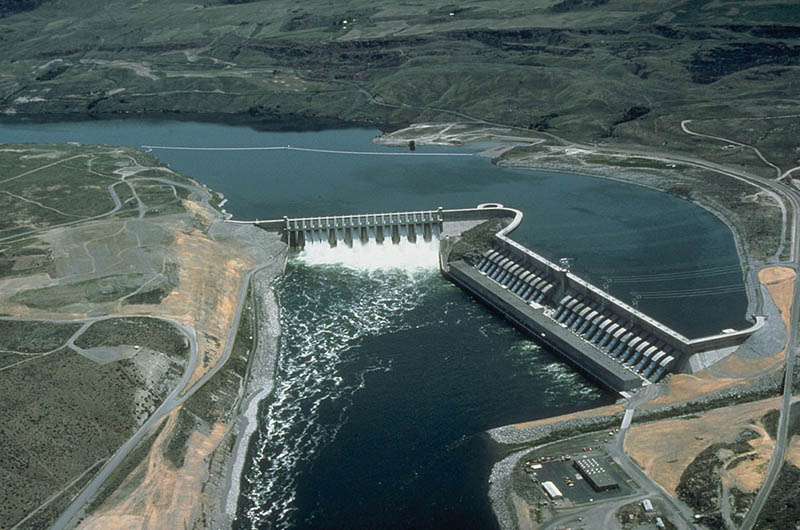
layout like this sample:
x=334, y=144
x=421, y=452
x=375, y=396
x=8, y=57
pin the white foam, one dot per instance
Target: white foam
x=372, y=256
x=327, y=313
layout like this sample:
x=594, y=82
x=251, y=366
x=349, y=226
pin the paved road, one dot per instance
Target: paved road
x=179, y=393
x=204, y=194
x=675, y=510
x=773, y=186
x=174, y=399
x=685, y=128
x=779, y=453
x=171, y=401
x=601, y=515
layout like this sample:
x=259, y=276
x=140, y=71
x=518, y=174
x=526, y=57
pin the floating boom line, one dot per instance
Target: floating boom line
x=292, y=148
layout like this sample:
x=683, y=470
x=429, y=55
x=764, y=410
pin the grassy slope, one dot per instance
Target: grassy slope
x=62, y=413
x=609, y=73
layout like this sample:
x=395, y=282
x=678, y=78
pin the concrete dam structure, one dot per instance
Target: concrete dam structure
x=612, y=342
x=351, y=229
x=606, y=338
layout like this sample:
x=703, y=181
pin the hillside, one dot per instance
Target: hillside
x=594, y=71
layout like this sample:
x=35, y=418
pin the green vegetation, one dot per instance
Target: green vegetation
x=9, y=7
x=782, y=509
x=151, y=333
x=477, y=240
x=22, y=258
x=216, y=399
x=700, y=484
x=633, y=161
x=9, y=358
x=161, y=199
x=176, y=448
x=587, y=70
x=157, y=291
x=61, y=414
x=99, y=290
x=54, y=184
x=125, y=468
x=55, y=189
x=770, y=421
x=33, y=336
x=47, y=514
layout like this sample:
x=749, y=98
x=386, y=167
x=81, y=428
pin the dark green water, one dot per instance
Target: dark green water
x=387, y=379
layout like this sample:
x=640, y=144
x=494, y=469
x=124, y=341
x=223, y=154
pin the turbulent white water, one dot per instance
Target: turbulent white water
x=372, y=256
x=330, y=298
x=333, y=301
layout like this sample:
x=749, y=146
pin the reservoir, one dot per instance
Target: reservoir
x=388, y=377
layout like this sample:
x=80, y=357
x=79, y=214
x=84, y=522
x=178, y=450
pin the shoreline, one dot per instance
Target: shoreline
x=259, y=386
x=748, y=265
x=500, y=490
x=644, y=178
x=289, y=123
x=259, y=382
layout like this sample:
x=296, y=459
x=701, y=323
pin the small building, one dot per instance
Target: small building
x=552, y=491
x=660, y=524
x=596, y=474
x=647, y=505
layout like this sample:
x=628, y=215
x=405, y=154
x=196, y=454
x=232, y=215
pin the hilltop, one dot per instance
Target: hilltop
x=597, y=71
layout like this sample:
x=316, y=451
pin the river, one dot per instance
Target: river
x=388, y=376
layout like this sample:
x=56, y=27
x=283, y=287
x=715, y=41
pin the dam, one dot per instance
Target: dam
x=610, y=341
x=353, y=229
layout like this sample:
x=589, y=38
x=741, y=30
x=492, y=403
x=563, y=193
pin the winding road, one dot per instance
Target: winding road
x=174, y=399
x=179, y=394
x=779, y=453
x=785, y=194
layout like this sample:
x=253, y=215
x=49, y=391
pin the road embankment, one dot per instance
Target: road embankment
x=259, y=386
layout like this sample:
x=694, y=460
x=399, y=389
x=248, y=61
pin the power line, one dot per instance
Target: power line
x=687, y=293
x=685, y=275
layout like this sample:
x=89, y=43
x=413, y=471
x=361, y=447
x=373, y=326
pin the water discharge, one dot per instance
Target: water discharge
x=373, y=256
x=330, y=298
x=387, y=378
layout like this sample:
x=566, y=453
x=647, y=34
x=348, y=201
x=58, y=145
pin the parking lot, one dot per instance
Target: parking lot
x=575, y=489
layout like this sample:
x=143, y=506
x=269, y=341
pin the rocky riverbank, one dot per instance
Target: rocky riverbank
x=221, y=491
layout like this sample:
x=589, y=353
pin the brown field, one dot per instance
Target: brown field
x=665, y=448
x=779, y=281
x=205, y=298
x=685, y=387
x=156, y=494
x=209, y=284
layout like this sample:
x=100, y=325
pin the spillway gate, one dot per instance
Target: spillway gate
x=364, y=228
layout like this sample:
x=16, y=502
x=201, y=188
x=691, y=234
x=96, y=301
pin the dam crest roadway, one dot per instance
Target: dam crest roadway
x=612, y=342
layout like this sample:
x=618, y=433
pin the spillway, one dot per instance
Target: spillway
x=363, y=229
